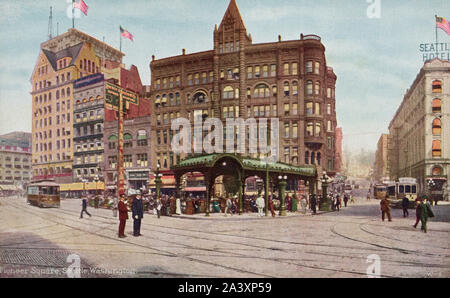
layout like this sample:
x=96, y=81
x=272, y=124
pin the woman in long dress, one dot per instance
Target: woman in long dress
x=178, y=211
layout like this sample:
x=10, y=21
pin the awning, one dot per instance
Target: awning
x=8, y=187
x=194, y=189
x=83, y=186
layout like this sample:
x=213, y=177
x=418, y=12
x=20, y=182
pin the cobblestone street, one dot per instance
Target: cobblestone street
x=36, y=243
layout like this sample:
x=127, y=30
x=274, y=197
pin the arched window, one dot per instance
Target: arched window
x=437, y=151
x=171, y=99
x=228, y=92
x=142, y=138
x=310, y=129
x=112, y=140
x=68, y=91
x=294, y=88
x=313, y=158
x=437, y=171
x=201, y=97
x=164, y=100
x=437, y=86
x=286, y=89
x=437, y=105
x=318, y=129
x=158, y=101
x=319, y=157
x=317, y=88
x=261, y=91
x=127, y=140
x=63, y=93
x=309, y=87
x=307, y=157
x=437, y=126
x=57, y=94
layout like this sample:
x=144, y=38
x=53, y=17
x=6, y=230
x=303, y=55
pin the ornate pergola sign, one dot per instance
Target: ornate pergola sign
x=216, y=165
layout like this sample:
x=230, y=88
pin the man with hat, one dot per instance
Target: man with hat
x=123, y=216
x=137, y=208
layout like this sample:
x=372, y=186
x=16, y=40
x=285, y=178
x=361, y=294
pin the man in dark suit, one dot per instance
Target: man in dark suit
x=405, y=206
x=123, y=216
x=84, y=204
x=137, y=209
x=313, y=203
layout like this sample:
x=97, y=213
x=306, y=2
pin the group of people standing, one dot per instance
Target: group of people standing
x=423, y=211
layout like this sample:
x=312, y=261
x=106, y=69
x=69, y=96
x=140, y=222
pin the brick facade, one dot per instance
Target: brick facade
x=286, y=79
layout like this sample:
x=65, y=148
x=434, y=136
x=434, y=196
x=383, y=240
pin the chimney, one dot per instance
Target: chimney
x=184, y=52
x=279, y=38
x=153, y=57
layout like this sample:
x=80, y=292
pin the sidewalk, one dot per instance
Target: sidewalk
x=245, y=216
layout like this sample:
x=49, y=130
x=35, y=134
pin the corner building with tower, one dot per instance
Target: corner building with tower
x=288, y=80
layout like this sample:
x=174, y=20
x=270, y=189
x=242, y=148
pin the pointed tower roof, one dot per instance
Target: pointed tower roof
x=232, y=16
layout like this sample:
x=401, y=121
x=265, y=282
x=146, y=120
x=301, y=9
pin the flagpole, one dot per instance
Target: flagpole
x=437, y=53
x=120, y=39
x=73, y=14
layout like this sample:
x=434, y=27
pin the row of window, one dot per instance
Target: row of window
x=60, y=119
x=141, y=140
x=59, y=132
x=89, y=147
x=89, y=130
x=51, y=171
x=60, y=144
x=91, y=172
x=139, y=160
x=47, y=84
x=253, y=72
x=49, y=158
x=89, y=159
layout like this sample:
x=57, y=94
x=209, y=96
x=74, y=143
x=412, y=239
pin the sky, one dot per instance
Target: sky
x=375, y=59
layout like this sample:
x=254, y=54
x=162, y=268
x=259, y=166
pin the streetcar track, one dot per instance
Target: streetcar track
x=167, y=254
x=109, y=222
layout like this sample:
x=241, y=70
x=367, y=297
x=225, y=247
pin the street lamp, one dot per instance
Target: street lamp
x=158, y=180
x=325, y=205
x=282, y=183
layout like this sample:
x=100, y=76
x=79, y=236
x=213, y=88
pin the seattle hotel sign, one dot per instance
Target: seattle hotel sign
x=432, y=50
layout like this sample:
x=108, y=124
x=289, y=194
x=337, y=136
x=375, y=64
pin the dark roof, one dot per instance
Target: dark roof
x=71, y=52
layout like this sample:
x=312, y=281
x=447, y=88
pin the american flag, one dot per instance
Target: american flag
x=126, y=34
x=443, y=24
x=81, y=6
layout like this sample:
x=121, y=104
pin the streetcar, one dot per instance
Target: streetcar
x=44, y=194
x=379, y=191
x=396, y=191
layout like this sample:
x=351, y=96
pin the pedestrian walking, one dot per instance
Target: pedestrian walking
x=158, y=207
x=385, y=209
x=84, y=206
x=137, y=209
x=417, y=213
x=260, y=204
x=96, y=199
x=271, y=207
x=178, y=209
x=294, y=205
x=405, y=205
x=313, y=203
x=345, y=200
x=425, y=213
x=303, y=204
x=115, y=206
x=228, y=207
x=338, y=203
x=368, y=196
x=123, y=216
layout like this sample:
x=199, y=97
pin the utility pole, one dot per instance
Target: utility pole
x=120, y=168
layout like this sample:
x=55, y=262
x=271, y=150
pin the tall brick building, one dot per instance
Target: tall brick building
x=61, y=61
x=286, y=79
